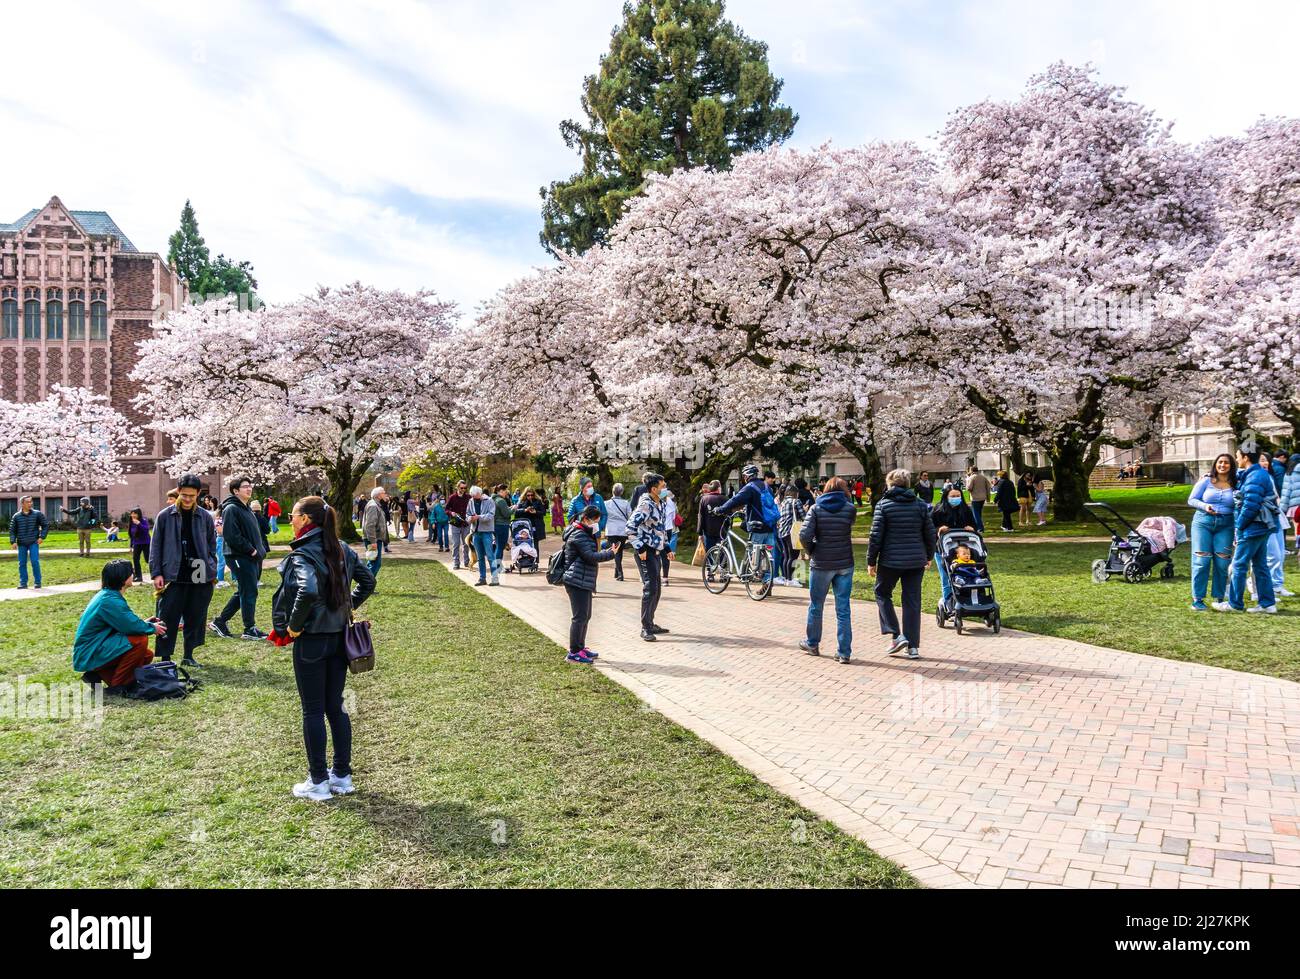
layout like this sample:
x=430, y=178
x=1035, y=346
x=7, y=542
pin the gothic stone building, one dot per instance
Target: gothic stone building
x=75, y=298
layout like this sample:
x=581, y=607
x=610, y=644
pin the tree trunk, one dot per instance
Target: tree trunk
x=1015, y=456
x=1243, y=433
x=343, y=478
x=1070, y=472
x=873, y=473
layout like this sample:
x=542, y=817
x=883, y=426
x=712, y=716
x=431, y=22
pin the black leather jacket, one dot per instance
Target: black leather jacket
x=299, y=602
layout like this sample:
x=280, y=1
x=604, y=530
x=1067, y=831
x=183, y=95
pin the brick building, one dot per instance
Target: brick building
x=75, y=298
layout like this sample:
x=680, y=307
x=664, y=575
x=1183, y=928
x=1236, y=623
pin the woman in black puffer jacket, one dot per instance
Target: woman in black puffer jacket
x=312, y=607
x=902, y=546
x=582, y=559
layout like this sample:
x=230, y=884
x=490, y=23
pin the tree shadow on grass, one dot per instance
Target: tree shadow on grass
x=443, y=827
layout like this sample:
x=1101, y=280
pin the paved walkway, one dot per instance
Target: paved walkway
x=1009, y=761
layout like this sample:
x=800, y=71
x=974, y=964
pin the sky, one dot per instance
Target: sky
x=402, y=143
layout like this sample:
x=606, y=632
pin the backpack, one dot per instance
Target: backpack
x=163, y=680
x=558, y=564
x=771, y=513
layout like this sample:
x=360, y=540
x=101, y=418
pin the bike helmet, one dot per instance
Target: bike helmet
x=749, y=472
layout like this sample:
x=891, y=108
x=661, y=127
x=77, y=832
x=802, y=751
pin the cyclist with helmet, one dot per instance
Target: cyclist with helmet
x=761, y=511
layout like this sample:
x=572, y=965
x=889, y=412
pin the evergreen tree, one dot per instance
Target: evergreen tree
x=187, y=253
x=680, y=87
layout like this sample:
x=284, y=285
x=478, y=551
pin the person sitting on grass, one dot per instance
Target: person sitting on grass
x=112, y=531
x=112, y=641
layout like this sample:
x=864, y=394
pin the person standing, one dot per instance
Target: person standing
x=273, y=514
x=1212, y=498
x=618, y=512
x=1025, y=495
x=791, y=510
x=112, y=641
x=827, y=536
x=183, y=565
x=1255, y=524
x=481, y=514
x=501, y=525
x=532, y=507
x=1004, y=498
x=461, y=531
x=245, y=550
x=649, y=537
x=374, y=529
x=951, y=514
x=85, y=518
x=901, y=548
x=263, y=528
x=977, y=484
x=557, y=512
x=710, y=526
x=582, y=563
x=138, y=532
x=925, y=489
x=672, y=520
x=587, y=496
x=27, y=528
x=440, y=526
x=312, y=607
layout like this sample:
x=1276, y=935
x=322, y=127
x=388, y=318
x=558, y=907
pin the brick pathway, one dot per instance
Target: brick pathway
x=1009, y=761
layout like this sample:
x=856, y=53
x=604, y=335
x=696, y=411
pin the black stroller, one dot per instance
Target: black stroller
x=972, y=589
x=1131, y=554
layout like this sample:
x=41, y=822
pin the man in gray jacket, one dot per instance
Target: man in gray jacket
x=980, y=489
x=374, y=528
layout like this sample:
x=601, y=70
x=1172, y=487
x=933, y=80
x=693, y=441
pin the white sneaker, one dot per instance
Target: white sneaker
x=1222, y=607
x=223, y=584
x=1266, y=609
x=778, y=581
x=316, y=792
x=1284, y=593
x=341, y=785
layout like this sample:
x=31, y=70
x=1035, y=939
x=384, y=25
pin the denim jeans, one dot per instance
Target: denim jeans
x=460, y=544
x=485, y=546
x=841, y=583
x=1211, y=550
x=977, y=507
x=30, y=552
x=221, y=560
x=1251, y=554
x=244, y=571
x=944, y=582
x=443, y=536
x=379, y=558
x=769, y=539
x=275, y=526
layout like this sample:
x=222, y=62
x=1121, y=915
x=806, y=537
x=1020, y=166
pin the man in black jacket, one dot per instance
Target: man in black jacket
x=709, y=525
x=245, y=549
x=183, y=565
x=901, y=548
x=827, y=535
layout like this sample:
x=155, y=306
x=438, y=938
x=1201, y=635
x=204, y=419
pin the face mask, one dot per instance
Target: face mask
x=587, y=492
x=954, y=499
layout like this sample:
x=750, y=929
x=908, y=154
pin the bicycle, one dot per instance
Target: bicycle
x=754, y=569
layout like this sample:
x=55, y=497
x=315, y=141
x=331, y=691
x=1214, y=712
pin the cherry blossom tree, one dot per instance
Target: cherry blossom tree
x=322, y=385
x=73, y=436
x=1244, y=302
x=1081, y=218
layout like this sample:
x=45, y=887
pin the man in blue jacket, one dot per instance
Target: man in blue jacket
x=27, y=528
x=761, y=526
x=1256, y=523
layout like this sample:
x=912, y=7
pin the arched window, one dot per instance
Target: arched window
x=9, y=320
x=99, y=320
x=32, y=319
x=76, y=320
x=54, y=314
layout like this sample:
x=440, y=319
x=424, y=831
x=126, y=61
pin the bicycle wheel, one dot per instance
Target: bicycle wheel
x=758, y=574
x=716, y=569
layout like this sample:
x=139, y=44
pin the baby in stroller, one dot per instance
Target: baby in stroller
x=523, y=552
x=966, y=562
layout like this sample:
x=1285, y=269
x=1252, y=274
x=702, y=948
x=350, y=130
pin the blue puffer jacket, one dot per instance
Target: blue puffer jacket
x=582, y=558
x=902, y=533
x=28, y=528
x=1254, y=487
x=1291, y=485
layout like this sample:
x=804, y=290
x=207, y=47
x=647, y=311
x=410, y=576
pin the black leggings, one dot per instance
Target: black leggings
x=138, y=551
x=614, y=541
x=580, y=606
x=321, y=668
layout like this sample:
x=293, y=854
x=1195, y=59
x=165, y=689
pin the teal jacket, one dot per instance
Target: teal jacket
x=102, y=631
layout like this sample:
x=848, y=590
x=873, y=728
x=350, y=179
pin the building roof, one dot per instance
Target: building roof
x=95, y=223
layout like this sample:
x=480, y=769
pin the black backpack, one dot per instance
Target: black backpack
x=558, y=564
x=162, y=680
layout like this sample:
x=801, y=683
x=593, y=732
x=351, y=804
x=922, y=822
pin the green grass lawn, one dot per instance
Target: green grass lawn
x=1134, y=505
x=1047, y=588
x=56, y=569
x=482, y=759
